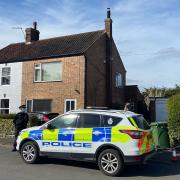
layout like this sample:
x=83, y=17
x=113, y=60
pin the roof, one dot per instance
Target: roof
x=110, y=111
x=54, y=47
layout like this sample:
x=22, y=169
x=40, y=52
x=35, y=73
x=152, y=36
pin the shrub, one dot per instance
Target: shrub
x=6, y=127
x=7, y=116
x=174, y=119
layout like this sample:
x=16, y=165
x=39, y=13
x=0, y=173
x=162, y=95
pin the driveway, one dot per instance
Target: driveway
x=12, y=168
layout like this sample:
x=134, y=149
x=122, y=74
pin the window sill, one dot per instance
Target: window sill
x=47, y=81
x=5, y=84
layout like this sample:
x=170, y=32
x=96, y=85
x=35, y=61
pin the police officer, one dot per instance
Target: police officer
x=20, y=122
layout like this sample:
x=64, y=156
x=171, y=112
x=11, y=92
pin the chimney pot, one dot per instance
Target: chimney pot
x=108, y=13
x=35, y=25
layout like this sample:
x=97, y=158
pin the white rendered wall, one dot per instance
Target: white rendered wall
x=12, y=91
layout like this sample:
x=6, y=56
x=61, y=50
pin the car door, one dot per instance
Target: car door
x=58, y=137
x=88, y=135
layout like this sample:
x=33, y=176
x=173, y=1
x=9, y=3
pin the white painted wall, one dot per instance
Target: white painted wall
x=12, y=91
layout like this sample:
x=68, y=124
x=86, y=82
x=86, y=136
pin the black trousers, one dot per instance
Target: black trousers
x=16, y=134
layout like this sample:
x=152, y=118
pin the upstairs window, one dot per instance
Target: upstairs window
x=119, y=82
x=5, y=76
x=48, y=72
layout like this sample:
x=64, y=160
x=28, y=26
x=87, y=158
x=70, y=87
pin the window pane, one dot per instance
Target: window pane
x=42, y=105
x=66, y=121
x=5, y=80
x=72, y=105
x=4, y=103
x=37, y=75
x=111, y=121
x=51, y=71
x=89, y=120
x=6, y=71
x=29, y=105
x=141, y=122
x=4, y=111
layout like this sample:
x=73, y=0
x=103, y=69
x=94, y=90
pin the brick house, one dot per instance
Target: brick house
x=64, y=73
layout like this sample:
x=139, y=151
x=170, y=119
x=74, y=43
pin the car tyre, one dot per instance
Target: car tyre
x=29, y=152
x=110, y=162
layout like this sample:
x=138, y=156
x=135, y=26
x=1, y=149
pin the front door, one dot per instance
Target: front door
x=59, y=136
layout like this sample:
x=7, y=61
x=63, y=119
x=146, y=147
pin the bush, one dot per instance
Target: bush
x=6, y=127
x=7, y=116
x=174, y=119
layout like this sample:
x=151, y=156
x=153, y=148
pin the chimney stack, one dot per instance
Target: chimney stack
x=108, y=29
x=108, y=23
x=32, y=34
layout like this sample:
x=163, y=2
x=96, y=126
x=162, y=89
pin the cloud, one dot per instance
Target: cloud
x=146, y=32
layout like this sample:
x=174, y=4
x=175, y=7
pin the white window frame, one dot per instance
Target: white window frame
x=118, y=80
x=75, y=104
x=5, y=108
x=32, y=103
x=5, y=76
x=40, y=68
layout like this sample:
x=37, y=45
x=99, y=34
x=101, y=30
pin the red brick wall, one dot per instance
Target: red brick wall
x=96, y=74
x=71, y=87
x=118, y=96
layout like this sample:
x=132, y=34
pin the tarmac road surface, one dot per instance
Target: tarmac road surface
x=13, y=168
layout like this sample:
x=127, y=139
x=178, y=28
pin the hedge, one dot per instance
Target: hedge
x=7, y=126
x=174, y=119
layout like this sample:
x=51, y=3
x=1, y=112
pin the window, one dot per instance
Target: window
x=4, y=106
x=5, y=78
x=111, y=120
x=39, y=105
x=70, y=104
x=48, y=72
x=119, y=82
x=89, y=121
x=66, y=121
x=141, y=122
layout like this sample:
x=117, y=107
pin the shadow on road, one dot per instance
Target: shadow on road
x=151, y=169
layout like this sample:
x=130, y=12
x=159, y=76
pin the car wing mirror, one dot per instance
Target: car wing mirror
x=49, y=126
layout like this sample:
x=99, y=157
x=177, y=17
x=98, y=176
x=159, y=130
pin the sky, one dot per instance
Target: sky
x=146, y=32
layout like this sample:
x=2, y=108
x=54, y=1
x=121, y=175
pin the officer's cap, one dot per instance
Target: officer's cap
x=22, y=106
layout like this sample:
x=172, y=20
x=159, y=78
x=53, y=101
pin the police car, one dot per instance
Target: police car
x=111, y=138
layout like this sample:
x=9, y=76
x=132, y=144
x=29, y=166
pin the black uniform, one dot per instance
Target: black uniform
x=20, y=122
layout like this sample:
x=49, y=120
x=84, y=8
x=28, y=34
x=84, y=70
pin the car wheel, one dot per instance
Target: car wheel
x=110, y=162
x=29, y=152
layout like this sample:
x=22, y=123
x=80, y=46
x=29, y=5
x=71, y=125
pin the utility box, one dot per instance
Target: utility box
x=158, y=109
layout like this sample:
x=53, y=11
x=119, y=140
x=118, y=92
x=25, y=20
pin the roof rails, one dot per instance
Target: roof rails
x=98, y=108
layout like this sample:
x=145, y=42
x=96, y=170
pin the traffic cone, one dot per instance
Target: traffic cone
x=174, y=155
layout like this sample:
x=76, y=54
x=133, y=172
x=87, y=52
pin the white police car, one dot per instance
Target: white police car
x=109, y=137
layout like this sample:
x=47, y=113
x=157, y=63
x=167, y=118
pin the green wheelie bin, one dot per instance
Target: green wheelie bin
x=160, y=135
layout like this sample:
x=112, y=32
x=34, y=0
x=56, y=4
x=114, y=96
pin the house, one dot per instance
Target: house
x=62, y=73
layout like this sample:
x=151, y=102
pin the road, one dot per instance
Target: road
x=13, y=168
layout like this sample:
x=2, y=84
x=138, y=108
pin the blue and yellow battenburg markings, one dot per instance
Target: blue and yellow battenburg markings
x=109, y=134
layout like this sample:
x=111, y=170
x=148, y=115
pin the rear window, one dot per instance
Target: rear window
x=140, y=122
x=111, y=120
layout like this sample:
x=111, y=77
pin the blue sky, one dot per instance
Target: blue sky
x=146, y=32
